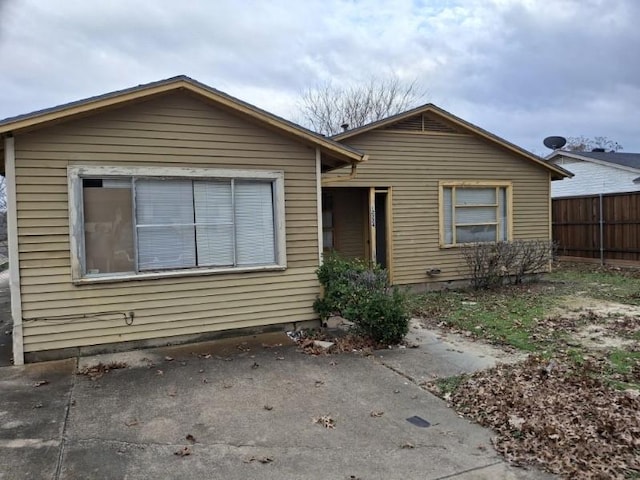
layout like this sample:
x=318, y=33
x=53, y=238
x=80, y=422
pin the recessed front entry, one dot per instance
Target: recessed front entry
x=357, y=223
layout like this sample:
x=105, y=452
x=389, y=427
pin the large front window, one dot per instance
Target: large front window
x=473, y=212
x=142, y=222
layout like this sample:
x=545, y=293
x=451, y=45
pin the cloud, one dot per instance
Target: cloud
x=523, y=69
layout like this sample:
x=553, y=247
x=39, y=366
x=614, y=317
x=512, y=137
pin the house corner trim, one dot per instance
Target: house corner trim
x=319, y=202
x=14, y=260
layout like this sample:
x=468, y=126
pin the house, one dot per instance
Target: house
x=432, y=182
x=168, y=210
x=171, y=211
x=596, y=172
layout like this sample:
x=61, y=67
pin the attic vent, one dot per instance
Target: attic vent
x=423, y=123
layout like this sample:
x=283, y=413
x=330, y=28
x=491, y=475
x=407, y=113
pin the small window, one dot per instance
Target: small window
x=473, y=213
x=139, y=224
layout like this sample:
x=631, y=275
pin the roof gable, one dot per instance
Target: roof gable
x=424, y=122
x=432, y=119
x=42, y=118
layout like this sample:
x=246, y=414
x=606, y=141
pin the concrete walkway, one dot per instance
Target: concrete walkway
x=242, y=408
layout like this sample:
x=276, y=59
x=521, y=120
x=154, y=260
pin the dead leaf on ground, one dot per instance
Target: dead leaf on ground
x=40, y=383
x=319, y=383
x=183, y=452
x=255, y=365
x=376, y=413
x=172, y=392
x=326, y=421
x=95, y=372
x=407, y=445
x=261, y=459
x=191, y=438
x=268, y=407
x=568, y=420
x=132, y=422
x=168, y=358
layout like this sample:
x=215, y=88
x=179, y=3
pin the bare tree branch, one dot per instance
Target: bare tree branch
x=328, y=106
x=3, y=194
x=586, y=144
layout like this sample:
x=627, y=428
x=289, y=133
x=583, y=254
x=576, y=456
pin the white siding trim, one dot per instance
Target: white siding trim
x=319, y=203
x=178, y=172
x=14, y=259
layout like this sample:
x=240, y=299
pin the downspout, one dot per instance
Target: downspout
x=345, y=178
x=14, y=260
x=319, y=202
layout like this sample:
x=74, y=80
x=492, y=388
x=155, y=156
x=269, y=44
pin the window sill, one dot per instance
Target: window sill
x=459, y=245
x=126, y=277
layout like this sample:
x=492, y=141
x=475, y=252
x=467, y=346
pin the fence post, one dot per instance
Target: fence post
x=601, y=233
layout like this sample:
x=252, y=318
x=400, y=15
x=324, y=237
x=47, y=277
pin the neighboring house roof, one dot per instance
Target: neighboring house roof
x=41, y=118
x=617, y=159
x=556, y=171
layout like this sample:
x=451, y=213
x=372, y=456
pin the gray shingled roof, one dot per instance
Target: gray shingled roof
x=624, y=159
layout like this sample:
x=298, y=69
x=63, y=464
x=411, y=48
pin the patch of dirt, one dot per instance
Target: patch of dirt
x=600, y=336
x=595, y=324
x=556, y=415
x=573, y=306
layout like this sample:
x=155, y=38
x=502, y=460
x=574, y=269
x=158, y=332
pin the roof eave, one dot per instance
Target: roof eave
x=598, y=161
x=42, y=118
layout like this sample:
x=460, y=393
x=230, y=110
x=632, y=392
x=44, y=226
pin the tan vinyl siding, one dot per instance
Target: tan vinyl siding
x=414, y=163
x=173, y=130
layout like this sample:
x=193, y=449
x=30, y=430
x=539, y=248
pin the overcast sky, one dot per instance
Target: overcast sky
x=522, y=69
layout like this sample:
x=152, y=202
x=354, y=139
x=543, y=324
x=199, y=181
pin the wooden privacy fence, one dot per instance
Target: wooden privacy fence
x=603, y=227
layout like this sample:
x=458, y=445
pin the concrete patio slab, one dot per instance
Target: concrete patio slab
x=248, y=410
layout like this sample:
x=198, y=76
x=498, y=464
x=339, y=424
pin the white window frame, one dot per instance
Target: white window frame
x=76, y=174
x=507, y=185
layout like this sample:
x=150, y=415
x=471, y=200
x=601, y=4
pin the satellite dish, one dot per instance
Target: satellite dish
x=555, y=143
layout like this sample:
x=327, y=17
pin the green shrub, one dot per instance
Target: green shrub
x=381, y=315
x=360, y=293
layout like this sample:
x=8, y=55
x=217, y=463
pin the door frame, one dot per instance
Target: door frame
x=371, y=212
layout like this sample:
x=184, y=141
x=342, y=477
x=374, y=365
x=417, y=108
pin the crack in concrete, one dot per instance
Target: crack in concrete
x=63, y=433
x=219, y=444
x=399, y=372
x=475, y=469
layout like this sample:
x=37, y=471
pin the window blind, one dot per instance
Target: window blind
x=255, y=232
x=164, y=224
x=214, y=223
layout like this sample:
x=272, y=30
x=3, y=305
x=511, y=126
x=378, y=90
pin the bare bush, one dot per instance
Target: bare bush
x=532, y=256
x=491, y=264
